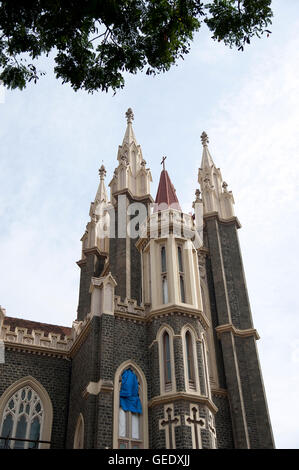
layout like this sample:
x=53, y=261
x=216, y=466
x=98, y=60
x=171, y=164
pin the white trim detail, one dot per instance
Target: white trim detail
x=79, y=433
x=168, y=423
x=196, y=422
x=143, y=398
x=159, y=338
x=46, y=425
x=194, y=339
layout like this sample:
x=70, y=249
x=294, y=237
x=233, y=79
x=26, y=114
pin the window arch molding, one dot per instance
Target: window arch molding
x=46, y=401
x=160, y=336
x=142, y=395
x=195, y=387
x=79, y=433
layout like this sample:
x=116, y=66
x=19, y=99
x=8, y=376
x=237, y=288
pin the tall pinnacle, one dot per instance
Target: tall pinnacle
x=207, y=161
x=204, y=139
x=129, y=136
x=101, y=195
x=102, y=172
x=129, y=116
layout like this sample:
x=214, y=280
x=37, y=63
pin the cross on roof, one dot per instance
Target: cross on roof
x=162, y=163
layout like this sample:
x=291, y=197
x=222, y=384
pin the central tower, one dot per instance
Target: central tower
x=163, y=300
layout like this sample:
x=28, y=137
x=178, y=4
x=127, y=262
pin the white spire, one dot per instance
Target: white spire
x=97, y=229
x=129, y=136
x=131, y=173
x=101, y=195
x=216, y=197
x=206, y=161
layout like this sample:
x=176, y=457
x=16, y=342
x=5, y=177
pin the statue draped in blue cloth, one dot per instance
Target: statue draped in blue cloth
x=128, y=397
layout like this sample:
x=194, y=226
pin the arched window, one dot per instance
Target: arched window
x=164, y=275
x=181, y=274
x=79, y=434
x=190, y=359
x=26, y=412
x=191, y=370
x=22, y=419
x=130, y=427
x=166, y=361
x=129, y=430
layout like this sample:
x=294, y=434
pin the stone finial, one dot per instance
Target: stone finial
x=204, y=139
x=197, y=194
x=2, y=311
x=197, y=198
x=102, y=172
x=224, y=186
x=129, y=115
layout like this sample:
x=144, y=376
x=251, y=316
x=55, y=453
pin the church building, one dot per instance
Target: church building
x=162, y=353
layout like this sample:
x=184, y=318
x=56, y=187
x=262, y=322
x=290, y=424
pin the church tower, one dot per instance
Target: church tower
x=162, y=353
x=164, y=295
x=223, y=280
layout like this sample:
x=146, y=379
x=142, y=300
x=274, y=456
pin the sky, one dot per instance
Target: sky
x=54, y=140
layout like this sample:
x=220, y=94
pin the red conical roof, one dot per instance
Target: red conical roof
x=166, y=196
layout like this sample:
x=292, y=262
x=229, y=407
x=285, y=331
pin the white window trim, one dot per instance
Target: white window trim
x=78, y=437
x=159, y=338
x=194, y=339
x=45, y=399
x=143, y=398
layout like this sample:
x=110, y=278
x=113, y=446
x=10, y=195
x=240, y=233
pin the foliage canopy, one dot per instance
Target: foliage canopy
x=96, y=41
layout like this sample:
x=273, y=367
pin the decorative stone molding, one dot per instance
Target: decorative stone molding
x=38, y=342
x=164, y=223
x=167, y=424
x=231, y=328
x=36, y=338
x=219, y=392
x=170, y=397
x=180, y=310
x=229, y=220
x=102, y=386
x=102, y=295
x=196, y=422
x=127, y=306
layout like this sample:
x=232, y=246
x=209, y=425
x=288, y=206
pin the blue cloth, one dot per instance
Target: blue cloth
x=128, y=397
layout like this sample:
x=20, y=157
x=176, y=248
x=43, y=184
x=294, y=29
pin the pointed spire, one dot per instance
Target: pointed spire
x=207, y=161
x=102, y=172
x=101, y=195
x=131, y=173
x=129, y=136
x=166, y=194
x=215, y=196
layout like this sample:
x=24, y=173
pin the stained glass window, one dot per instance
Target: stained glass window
x=22, y=418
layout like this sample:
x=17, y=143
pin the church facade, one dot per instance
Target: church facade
x=162, y=300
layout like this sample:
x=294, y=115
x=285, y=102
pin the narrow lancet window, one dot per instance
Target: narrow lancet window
x=163, y=259
x=180, y=259
x=182, y=288
x=167, y=360
x=165, y=290
x=190, y=359
x=181, y=275
x=164, y=276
